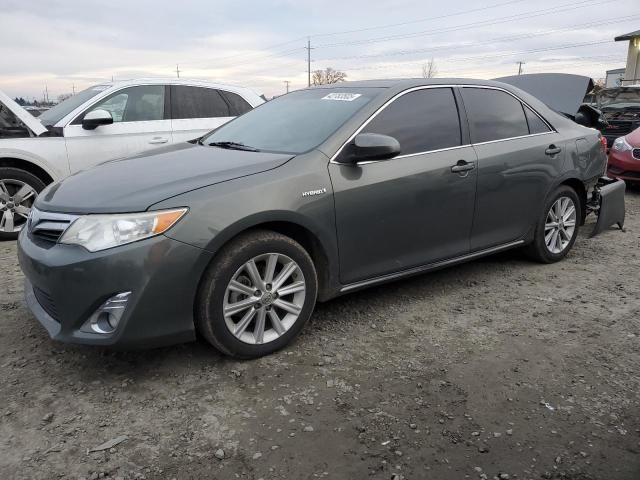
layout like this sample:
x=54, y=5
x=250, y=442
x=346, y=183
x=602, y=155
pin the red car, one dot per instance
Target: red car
x=624, y=158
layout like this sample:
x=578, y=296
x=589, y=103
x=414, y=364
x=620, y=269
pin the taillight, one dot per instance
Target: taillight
x=603, y=142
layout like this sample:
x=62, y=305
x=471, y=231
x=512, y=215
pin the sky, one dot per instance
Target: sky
x=260, y=44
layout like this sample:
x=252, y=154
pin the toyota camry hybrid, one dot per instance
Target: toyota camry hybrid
x=315, y=194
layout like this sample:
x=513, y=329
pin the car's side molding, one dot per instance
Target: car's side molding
x=429, y=267
x=428, y=87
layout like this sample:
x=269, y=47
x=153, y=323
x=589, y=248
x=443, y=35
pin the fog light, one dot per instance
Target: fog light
x=106, y=318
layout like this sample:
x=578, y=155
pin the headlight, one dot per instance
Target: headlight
x=621, y=145
x=99, y=232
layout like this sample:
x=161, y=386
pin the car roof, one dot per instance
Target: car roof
x=411, y=82
x=173, y=81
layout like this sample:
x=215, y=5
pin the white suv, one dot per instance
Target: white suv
x=104, y=122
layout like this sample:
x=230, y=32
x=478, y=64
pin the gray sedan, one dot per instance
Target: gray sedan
x=315, y=194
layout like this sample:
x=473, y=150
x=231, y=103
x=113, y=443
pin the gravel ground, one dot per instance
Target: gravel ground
x=500, y=368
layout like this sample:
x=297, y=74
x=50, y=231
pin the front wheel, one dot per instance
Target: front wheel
x=18, y=191
x=257, y=295
x=557, y=228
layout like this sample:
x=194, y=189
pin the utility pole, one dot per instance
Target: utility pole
x=520, y=67
x=287, y=82
x=177, y=71
x=308, y=49
x=73, y=88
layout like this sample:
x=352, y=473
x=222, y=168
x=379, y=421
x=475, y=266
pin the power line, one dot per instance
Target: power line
x=430, y=19
x=482, y=23
x=616, y=20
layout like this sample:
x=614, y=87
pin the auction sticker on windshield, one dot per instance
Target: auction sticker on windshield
x=344, y=97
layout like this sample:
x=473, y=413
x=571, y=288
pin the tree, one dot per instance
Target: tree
x=327, y=76
x=429, y=69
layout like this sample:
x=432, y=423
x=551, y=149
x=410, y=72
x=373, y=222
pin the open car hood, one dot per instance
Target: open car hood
x=562, y=92
x=25, y=117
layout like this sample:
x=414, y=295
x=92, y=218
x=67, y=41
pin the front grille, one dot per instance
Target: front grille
x=48, y=226
x=618, y=128
x=46, y=302
x=636, y=153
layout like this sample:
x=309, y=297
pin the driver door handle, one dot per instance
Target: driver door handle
x=463, y=166
x=158, y=140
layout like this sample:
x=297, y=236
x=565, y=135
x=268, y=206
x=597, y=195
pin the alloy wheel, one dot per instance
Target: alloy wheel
x=16, y=200
x=264, y=298
x=560, y=225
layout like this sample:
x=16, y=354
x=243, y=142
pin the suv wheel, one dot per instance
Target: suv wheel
x=257, y=295
x=18, y=191
x=557, y=228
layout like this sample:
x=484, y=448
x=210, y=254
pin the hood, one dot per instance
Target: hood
x=134, y=184
x=562, y=92
x=633, y=138
x=619, y=98
x=29, y=120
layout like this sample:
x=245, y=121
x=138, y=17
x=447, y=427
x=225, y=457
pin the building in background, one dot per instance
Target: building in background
x=632, y=72
x=614, y=78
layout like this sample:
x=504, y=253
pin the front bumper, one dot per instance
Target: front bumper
x=624, y=166
x=65, y=284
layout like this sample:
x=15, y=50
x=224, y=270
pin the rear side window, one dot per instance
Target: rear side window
x=197, y=102
x=238, y=104
x=493, y=115
x=421, y=121
x=536, y=125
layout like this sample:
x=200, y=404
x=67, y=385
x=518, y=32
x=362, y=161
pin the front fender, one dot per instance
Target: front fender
x=48, y=153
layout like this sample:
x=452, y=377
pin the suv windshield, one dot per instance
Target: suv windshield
x=619, y=97
x=57, y=113
x=294, y=123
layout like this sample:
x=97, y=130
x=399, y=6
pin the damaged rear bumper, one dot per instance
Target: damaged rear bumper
x=607, y=203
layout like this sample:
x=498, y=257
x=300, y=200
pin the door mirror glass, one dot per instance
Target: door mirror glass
x=95, y=118
x=370, y=146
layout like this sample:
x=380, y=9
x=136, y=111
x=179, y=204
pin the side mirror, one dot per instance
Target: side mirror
x=95, y=118
x=370, y=146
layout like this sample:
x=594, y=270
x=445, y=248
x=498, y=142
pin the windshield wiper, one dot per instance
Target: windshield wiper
x=233, y=146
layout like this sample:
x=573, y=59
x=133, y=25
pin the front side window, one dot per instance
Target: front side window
x=296, y=122
x=197, y=102
x=421, y=121
x=493, y=115
x=134, y=104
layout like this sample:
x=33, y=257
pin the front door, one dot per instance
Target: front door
x=139, y=125
x=411, y=210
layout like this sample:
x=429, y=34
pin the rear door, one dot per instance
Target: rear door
x=139, y=124
x=198, y=110
x=413, y=209
x=519, y=155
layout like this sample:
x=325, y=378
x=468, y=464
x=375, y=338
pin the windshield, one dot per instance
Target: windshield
x=57, y=113
x=620, y=98
x=296, y=122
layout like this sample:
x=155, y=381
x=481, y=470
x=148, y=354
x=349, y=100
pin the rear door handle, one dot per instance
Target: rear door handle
x=463, y=166
x=552, y=150
x=158, y=140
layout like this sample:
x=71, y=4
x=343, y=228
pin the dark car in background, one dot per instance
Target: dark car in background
x=620, y=107
x=315, y=194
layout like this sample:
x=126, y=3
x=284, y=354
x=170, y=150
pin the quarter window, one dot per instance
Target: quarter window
x=197, y=102
x=536, y=125
x=493, y=115
x=238, y=104
x=421, y=121
x=134, y=104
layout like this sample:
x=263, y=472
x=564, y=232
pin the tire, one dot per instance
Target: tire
x=218, y=298
x=543, y=248
x=11, y=181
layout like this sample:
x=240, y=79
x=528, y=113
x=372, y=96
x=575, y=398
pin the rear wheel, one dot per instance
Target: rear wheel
x=256, y=295
x=18, y=191
x=557, y=227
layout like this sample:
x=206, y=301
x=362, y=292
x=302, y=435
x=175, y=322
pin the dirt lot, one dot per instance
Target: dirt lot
x=496, y=369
